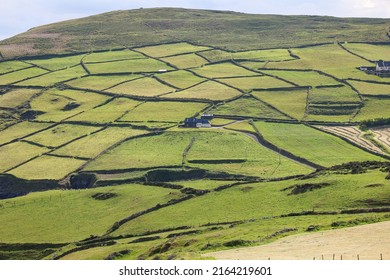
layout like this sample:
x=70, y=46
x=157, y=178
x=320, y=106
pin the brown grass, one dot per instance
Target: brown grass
x=367, y=241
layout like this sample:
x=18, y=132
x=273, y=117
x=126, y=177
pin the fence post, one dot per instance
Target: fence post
x=358, y=257
x=381, y=257
x=334, y=255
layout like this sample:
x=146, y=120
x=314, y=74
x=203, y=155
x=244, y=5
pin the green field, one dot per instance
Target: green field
x=291, y=102
x=107, y=113
x=242, y=126
x=309, y=143
x=47, y=167
x=163, y=112
x=17, y=97
x=17, y=153
x=171, y=49
x=303, y=78
x=331, y=59
x=57, y=63
x=255, y=201
x=205, y=184
x=128, y=66
x=20, y=130
x=112, y=56
x=259, y=82
x=54, y=103
x=79, y=221
x=371, y=88
x=257, y=160
x=94, y=148
x=258, y=55
x=9, y=66
x=223, y=70
x=60, y=134
x=94, y=144
x=373, y=108
x=23, y=74
x=147, y=152
x=181, y=79
x=101, y=82
x=368, y=51
x=329, y=95
x=55, y=77
x=208, y=90
x=142, y=87
x=249, y=107
x=185, y=61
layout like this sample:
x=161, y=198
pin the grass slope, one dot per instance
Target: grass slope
x=306, y=142
x=222, y=29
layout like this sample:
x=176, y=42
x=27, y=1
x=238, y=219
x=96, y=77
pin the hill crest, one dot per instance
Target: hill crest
x=223, y=29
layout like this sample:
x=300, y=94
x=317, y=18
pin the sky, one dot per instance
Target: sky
x=18, y=16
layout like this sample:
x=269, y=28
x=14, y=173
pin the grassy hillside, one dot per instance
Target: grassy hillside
x=228, y=30
x=299, y=138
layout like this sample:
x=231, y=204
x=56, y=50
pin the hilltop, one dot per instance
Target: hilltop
x=227, y=30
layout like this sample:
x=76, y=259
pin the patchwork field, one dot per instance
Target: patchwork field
x=208, y=90
x=53, y=64
x=101, y=82
x=127, y=66
x=355, y=135
x=299, y=141
x=249, y=107
x=312, y=144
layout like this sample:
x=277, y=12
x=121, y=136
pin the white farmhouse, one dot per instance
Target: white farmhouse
x=383, y=66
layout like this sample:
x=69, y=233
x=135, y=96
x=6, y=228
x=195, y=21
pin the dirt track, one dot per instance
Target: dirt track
x=353, y=134
x=367, y=241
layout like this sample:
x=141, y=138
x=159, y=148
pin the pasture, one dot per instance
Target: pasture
x=82, y=210
x=53, y=64
x=171, y=49
x=55, y=77
x=16, y=76
x=163, y=112
x=181, y=78
x=208, y=90
x=10, y=66
x=291, y=102
x=17, y=97
x=127, y=66
x=185, y=61
x=258, y=82
x=97, y=57
x=314, y=145
x=113, y=121
x=142, y=87
x=101, y=82
x=248, y=107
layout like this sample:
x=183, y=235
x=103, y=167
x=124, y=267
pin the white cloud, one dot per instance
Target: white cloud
x=367, y=8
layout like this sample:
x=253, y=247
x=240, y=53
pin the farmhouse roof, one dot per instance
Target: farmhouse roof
x=195, y=120
x=382, y=63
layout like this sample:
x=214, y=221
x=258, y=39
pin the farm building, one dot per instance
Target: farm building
x=383, y=66
x=207, y=116
x=194, y=122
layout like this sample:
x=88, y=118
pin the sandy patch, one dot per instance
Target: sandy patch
x=366, y=242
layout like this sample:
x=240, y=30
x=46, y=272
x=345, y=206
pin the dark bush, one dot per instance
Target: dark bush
x=82, y=181
x=103, y=196
x=115, y=255
x=237, y=242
